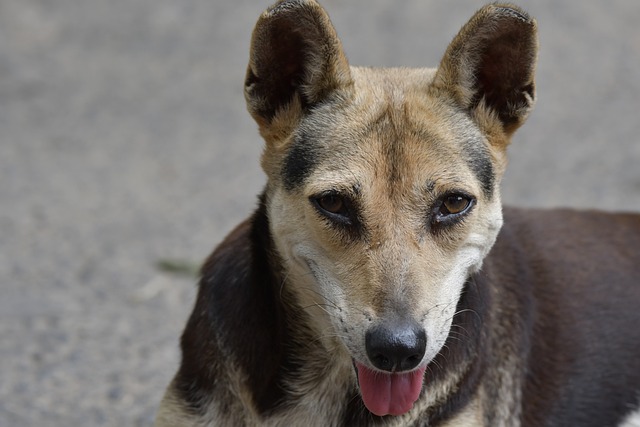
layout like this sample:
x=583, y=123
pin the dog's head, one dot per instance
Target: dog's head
x=383, y=184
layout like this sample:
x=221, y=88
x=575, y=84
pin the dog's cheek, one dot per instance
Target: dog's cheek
x=438, y=316
x=487, y=225
x=287, y=224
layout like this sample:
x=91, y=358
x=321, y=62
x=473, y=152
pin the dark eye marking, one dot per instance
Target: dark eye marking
x=299, y=162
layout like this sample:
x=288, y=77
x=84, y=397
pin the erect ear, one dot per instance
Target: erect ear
x=296, y=60
x=489, y=66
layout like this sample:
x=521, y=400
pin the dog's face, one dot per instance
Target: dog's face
x=388, y=200
x=383, y=184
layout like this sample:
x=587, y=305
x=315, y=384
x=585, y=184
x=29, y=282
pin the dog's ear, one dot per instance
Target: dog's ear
x=489, y=66
x=296, y=60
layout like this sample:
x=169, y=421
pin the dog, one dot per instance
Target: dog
x=380, y=282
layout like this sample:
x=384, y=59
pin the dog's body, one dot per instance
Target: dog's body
x=371, y=286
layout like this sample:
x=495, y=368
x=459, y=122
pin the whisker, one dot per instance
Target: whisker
x=468, y=310
x=464, y=332
x=435, y=362
x=455, y=338
x=323, y=336
x=320, y=306
x=306, y=288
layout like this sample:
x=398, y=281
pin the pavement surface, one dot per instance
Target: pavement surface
x=124, y=141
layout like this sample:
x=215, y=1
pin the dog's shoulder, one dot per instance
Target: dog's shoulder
x=234, y=337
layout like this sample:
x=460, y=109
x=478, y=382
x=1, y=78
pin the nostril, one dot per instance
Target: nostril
x=396, y=347
x=382, y=362
x=413, y=359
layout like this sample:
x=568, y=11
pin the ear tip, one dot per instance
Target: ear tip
x=287, y=6
x=509, y=10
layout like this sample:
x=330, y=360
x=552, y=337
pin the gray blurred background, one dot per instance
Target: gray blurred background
x=124, y=141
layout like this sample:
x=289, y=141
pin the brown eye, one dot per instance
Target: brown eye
x=454, y=204
x=336, y=207
x=332, y=203
x=451, y=209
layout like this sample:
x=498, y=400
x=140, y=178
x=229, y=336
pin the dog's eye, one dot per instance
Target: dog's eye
x=336, y=207
x=332, y=203
x=454, y=204
x=451, y=208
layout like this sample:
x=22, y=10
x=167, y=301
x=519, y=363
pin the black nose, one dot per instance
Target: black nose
x=396, y=346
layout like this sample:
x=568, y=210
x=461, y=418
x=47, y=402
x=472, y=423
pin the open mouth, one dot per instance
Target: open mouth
x=389, y=393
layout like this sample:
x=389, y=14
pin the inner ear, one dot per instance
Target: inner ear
x=295, y=56
x=491, y=64
x=505, y=75
x=277, y=67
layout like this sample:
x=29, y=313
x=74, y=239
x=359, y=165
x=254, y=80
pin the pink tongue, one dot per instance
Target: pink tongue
x=393, y=394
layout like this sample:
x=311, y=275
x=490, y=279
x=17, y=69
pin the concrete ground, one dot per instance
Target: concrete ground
x=124, y=141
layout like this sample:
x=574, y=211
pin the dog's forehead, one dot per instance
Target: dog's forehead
x=389, y=125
